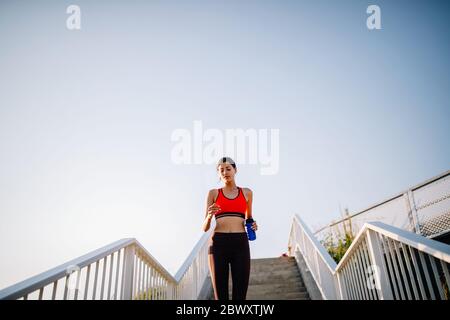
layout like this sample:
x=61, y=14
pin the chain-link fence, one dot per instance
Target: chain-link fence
x=423, y=209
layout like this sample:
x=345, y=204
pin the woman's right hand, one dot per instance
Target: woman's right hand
x=212, y=210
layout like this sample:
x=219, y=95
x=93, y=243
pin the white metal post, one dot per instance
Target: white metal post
x=194, y=280
x=342, y=290
x=169, y=291
x=377, y=258
x=319, y=279
x=127, y=281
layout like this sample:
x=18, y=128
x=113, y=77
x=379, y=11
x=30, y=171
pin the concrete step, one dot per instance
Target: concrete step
x=279, y=296
x=272, y=260
x=275, y=271
x=276, y=287
x=256, y=263
x=271, y=279
x=275, y=275
x=274, y=278
x=275, y=293
x=283, y=266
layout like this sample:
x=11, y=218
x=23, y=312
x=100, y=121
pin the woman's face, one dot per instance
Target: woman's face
x=226, y=172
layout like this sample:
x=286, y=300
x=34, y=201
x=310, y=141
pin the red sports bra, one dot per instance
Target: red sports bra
x=236, y=207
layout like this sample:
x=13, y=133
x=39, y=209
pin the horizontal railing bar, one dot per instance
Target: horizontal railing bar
x=152, y=261
x=432, y=247
x=36, y=282
x=324, y=255
x=349, y=217
x=185, y=266
x=380, y=203
x=41, y=280
x=354, y=246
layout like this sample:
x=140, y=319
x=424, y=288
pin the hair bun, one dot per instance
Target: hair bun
x=226, y=160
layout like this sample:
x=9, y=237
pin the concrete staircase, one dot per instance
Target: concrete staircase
x=275, y=278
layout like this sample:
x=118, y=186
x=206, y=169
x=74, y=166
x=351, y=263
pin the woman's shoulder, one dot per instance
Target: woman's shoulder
x=213, y=193
x=247, y=192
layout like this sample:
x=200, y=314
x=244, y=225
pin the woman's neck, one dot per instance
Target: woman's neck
x=230, y=186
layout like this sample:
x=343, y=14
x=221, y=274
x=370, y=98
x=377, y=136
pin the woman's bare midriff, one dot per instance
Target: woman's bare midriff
x=229, y=224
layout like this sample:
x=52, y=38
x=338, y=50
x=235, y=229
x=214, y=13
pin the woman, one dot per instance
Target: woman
x=231, y=206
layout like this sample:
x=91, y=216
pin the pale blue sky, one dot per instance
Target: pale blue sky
x=86, y=117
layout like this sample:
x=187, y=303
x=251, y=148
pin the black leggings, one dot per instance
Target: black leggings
x=230, y=249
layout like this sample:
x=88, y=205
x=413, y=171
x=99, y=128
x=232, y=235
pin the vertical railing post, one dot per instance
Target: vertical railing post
x=194, y=280
x=128, y=265
x=342, y=291
x=381, y=273
x=413, y=211
x=293, y=239
x=169, y=291
x=319, y=279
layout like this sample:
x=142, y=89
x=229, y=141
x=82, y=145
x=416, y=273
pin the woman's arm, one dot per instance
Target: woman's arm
x=249, y=213
x=211, y=209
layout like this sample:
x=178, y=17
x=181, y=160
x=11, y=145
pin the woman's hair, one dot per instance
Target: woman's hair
x=226, y=160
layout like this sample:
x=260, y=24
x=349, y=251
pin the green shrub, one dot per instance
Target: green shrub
x=337, y=249
x=338, y=244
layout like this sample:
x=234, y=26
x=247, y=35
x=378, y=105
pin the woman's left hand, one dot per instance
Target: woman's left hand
x=254, y=226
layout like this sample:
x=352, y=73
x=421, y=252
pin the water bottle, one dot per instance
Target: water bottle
x=250, y=232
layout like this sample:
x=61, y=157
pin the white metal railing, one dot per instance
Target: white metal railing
x=383, y=262
x=122, y=270
x=423, y=209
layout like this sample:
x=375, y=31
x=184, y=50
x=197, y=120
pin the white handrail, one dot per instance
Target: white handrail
x=414, y=209
x=34, y=283
x=324, y=255
x=132, y=273
x=189, y=260
x=383, y=262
